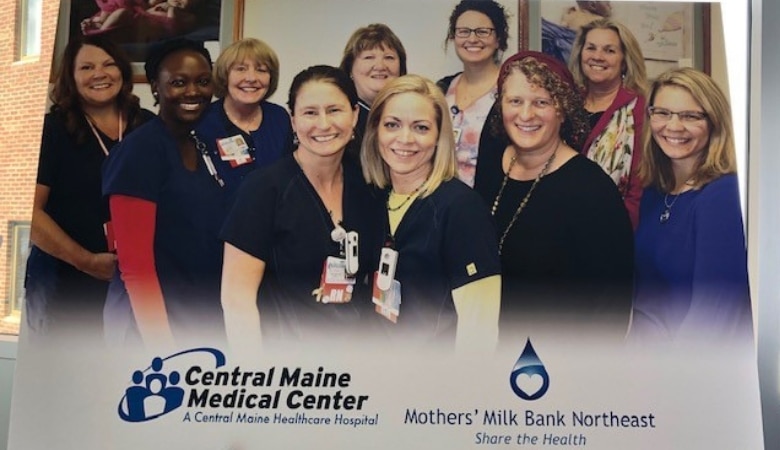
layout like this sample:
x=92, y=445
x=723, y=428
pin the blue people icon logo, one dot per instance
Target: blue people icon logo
x=153, y=392
x=529, y=378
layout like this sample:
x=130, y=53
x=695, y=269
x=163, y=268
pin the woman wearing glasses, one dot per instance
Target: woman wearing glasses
x=606, y=60
x=479, y=31
x=691, y=262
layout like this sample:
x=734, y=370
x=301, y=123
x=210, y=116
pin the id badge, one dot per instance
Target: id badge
x=108, y=230
x=387, y=303
x=235, y=150
x=335, y=285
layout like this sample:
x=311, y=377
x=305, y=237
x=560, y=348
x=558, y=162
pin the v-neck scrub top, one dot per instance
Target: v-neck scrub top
x=444, y=241
x=191, y=207
x=279, y=218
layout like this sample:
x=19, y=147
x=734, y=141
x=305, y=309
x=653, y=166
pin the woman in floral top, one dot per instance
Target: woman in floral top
x=607, y=61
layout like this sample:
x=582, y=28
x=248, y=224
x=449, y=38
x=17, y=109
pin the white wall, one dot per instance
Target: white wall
x=305, y=32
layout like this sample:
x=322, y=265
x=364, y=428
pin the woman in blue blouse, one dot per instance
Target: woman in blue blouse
x=691, y=262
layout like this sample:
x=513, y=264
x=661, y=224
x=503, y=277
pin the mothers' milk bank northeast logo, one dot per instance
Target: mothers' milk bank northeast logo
x=155, y=391
x=529, y=378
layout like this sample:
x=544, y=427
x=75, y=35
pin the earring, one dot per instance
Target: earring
x=353, y=136
x=295, y=139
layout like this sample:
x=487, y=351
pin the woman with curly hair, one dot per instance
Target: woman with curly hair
x=479, y=31
x=564, y=236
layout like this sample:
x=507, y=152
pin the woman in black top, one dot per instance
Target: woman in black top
x=70, y=263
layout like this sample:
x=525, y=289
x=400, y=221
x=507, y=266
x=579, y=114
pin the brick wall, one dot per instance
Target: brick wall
x=23, y=89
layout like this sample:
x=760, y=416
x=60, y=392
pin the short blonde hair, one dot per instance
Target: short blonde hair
x=375, y=170
x=253, y=50
x=718, y=157
x=634, y=71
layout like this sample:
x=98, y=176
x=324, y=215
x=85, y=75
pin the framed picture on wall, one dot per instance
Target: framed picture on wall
x=670, y=34
x=137, y=24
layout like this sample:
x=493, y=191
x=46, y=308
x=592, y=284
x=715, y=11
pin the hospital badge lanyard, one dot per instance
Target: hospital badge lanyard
x=201, y=146
x=386, y=293
x=108, y=229
x=337, y=281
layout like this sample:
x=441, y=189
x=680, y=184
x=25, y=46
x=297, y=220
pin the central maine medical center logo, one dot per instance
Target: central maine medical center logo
x=155, y=393
x=529, y=378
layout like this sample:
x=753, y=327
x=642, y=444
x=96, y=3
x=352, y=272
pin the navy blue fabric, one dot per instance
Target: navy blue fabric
x=691, y=271
x=438, y=237
x=279, y=218
x=267, y=144
x=191, y=207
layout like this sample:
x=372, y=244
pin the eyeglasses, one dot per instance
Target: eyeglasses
x=481, y=33
x=664, y=115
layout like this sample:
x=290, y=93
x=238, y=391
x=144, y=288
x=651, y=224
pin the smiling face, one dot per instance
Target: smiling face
x=372, y=69
x=97, y=76
x=473, y=49
x=248, y=82
x=530, y=117
x=184, y=87
x=683, y=143
x=407, y=137
x=323, y=119
x=602, y=58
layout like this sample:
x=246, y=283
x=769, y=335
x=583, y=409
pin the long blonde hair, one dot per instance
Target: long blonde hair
x=634, y=72
x=719, y=156
x=375, y=170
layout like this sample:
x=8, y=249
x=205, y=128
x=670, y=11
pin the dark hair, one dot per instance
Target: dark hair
x=65, y=97
x=495, y=12
x=161, y=50
x=371, y=37
x=327, y=74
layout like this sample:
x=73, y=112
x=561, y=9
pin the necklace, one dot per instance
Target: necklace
x=668, y=210
x=406, y=200
x=525, y=199
x=667, y=214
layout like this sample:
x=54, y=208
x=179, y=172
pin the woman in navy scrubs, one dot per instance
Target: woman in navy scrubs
x=438, y=278
x=291, y=271
x=248, y=131
x=168, y=202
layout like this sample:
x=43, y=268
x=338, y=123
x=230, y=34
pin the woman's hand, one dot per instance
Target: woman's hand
x=100, y=266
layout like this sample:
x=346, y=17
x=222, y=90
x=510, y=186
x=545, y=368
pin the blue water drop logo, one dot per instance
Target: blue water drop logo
x=529, y=379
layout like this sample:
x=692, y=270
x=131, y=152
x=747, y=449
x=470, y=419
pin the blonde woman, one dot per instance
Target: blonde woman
x=438, y=279
x=691, y=262
x=607, y=62
x=249, y=131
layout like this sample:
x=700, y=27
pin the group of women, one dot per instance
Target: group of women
x=499, y=203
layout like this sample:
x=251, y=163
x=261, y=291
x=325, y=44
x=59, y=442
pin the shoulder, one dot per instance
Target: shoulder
x=146, y=115
x=585, y=181
x=213, y=112
x=445, y=82
x=722, y=189
x=626, y=96
x=454, y=193
x=277, y=174
x=273, y=109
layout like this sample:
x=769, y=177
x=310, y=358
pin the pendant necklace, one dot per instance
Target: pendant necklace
x=525, y=199
x=668, y=208
x=667, y=214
